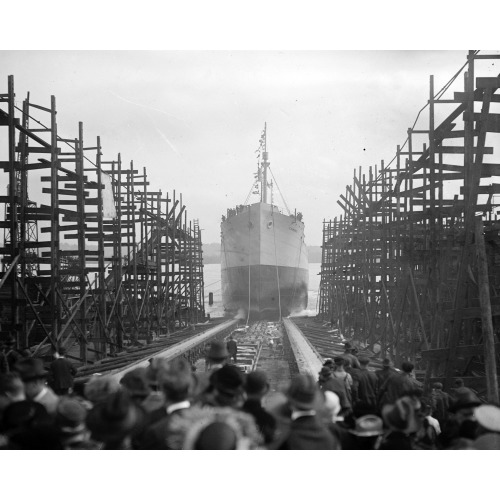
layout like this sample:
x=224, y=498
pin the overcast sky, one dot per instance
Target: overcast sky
x=194, y=118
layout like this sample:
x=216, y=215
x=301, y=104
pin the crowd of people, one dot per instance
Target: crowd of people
x=171, y=405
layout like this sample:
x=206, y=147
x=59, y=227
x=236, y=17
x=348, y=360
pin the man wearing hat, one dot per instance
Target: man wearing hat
x=384, y=373
x=403, y=421
x=176, y=381
x=306, y=432
x=367, y=433
x=349, y=354
x=398, y=385
x=257, y=386
x=327, y=382
x=34, y=376
x=232, y=349
x=367, y=384
x=62, y=373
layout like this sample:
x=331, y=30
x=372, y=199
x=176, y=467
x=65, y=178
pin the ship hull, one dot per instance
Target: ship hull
x=264, y=265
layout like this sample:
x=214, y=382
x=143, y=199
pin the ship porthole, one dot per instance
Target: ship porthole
x=270, y=224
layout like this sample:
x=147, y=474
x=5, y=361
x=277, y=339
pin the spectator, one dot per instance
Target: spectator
x=226, y=388
x=440, y=402
x=398, y=385
x=257, y=386
x=11, y=390
x=488, y=418
x=426, y=437
x=384, y=373
x=99, y=388
x=232, y=349
x=176, y=382
x=367, y=383
x=114, y=422
x=348, y=354
x=136, y=384
x=327, y=382
x=368, y=432
x=62, y=373
x=306, y=432
x=70, y=423
x=33, y=375
x=211, y=428
x=341, y=374
x=403, y=422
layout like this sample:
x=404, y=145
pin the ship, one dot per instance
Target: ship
x=264, y=260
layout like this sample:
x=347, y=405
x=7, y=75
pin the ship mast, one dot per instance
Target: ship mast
x=265, y=165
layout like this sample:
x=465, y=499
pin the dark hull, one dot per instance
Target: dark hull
x=265, y=299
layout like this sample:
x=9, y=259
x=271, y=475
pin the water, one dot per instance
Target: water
x=213, y=284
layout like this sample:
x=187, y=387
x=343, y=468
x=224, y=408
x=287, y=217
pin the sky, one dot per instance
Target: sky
x=194, y=118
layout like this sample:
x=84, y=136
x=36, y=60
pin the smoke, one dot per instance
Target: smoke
x=241, y=314
x=303, y=312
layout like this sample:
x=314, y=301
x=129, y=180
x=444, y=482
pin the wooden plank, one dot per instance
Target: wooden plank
x=492, y=122
x=490, y=82
x=462, y=351
x=460, y=150
x=470, y=96
x=491, y=189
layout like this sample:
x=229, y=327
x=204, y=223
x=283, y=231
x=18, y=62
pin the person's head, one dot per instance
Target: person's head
x=458, y=383
x=339, y=363
x=463, y=406
x=218, y=353
x=11, y=389
x=303, y=393
x=437, y=386
x=114, y=420
x=70, y=416
x=364, y=361
x=136, y=384
x=386, y=364
x=228, y=386
x=99, y=387
x=347, y=346
x=62, y=351
x=368, y=430
x=256, y=384
x=407, y=367
x=176, y=380
x=33, y=375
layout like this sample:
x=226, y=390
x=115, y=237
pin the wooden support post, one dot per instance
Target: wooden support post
x=486, y=318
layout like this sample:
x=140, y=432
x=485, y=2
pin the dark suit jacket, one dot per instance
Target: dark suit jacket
x=232, y=347
x=367, y=388
x=62, y=372
x=155, y=437
x=266, y=423
x=308, y=433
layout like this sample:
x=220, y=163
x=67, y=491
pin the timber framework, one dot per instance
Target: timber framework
x=101, y=262
x=412, y=266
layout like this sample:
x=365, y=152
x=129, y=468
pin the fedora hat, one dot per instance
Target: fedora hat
x=488, y=416
x=30, y=369
x=402, y=415
x=228, y=380
x=218, y=351
x=114, y=419
x=304, y=393
x=368, y=425
x=256, y=382
x=136, y=383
